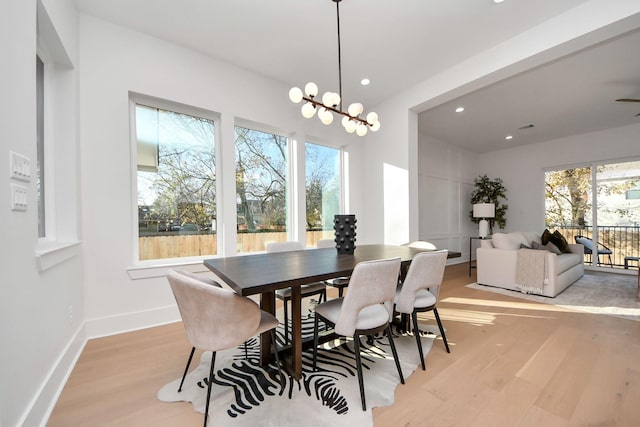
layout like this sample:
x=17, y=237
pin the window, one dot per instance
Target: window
x=594, y=202
x=40, y=147
x=322, y=186
x=176, y=182
x=261, y=188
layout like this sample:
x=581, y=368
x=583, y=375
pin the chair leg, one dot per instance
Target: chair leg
x=416, y=333
x=395, y=353
x=340, y=291
x=444, y=337
x=193, y=349
x=206, y=409
x=286, y=321
x=356, y=344
x=315, y=342
x=275, y=352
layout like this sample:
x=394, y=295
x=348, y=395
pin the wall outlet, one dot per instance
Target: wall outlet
x=18, y=197
x=20, y=166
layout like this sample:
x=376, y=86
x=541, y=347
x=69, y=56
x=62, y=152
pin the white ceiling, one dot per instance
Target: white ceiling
x=398, y=44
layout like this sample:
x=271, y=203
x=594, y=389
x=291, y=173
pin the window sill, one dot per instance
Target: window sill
x=50, y=254
x=160, y=270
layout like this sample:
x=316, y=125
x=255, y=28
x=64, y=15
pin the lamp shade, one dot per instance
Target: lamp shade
x=484, y=210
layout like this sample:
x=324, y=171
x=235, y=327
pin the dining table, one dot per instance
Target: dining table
x=262, y=274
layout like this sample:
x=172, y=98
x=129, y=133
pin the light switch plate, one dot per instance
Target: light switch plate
x=20, y=166
x=18, y=197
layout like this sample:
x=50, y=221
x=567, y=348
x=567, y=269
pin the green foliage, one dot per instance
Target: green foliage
x=490, y=191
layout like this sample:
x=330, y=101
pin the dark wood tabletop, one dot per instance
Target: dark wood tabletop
x=259, y=273
x=265, y=273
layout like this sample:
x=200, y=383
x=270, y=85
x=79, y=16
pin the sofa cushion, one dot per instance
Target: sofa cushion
x=508, y=241
x=566, y=261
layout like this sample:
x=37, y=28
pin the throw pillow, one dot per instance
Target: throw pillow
x=523, y=246
x=537, y=246
x=553, y=248
x=546, y=235
x=559, y=240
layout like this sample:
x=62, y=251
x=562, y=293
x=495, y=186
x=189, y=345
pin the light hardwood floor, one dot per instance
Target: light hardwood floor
x=512, y=363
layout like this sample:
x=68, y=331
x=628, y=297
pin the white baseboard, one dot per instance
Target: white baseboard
x=42, y=404
x=40, y=408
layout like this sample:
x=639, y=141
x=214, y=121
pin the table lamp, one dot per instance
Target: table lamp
x=484, y=211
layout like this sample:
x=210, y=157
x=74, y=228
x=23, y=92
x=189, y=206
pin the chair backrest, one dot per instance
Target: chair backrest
x=284, y=247
x=426, y=271
x=326, y=243
x=372, y=282
x=584, y=241
x=421, y=244
x=201, y=278
x=214, y=318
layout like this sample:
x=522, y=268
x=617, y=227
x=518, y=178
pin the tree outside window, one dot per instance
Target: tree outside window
x=322, y=190
x=176, y=184
x=261, y=188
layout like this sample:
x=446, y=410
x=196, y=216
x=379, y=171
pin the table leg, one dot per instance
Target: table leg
x=268, y=304
x=296, y=332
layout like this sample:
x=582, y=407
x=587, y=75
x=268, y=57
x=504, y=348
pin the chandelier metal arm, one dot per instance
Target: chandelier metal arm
x=319, y=104
x=339, y=53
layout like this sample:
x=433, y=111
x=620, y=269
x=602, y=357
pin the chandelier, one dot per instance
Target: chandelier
x=331, y=102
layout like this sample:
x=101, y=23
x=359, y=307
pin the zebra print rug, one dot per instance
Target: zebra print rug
x=246, y=394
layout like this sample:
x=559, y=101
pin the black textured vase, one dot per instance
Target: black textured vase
x=345, y=227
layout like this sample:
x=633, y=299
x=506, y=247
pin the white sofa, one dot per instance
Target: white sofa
x=497, y=259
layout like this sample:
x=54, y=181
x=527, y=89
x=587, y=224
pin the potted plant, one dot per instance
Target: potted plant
x=490, y=191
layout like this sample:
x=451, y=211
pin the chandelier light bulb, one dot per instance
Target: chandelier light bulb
x=335, y=101
x=351, y=126
x=361, y=130
x=311, y=89
x=372, y=118
x=308, y=110
x=327, y=99
x=325, y=116
x=295, y=95
x=345, y=121
x=355, y=109
x=375, y=127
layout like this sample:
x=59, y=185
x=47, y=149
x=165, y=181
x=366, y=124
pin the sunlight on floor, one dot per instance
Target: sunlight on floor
x=507, y=304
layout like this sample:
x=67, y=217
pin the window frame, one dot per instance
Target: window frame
x=292, y=183
x=342, y=175
x=163, y=104
x=59, y=119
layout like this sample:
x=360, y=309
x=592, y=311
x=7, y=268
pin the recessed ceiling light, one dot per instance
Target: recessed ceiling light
x=459, y=109
x=508, y=137
x=498, y=1
x=365, y=81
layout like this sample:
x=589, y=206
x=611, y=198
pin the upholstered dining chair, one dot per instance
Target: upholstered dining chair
x=419, y=291
x=365, y=310
x=318, y=288
x=217, y=319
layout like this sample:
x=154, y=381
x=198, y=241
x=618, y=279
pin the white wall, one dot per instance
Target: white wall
x=521, y=168
x=397, y=141
x=445, y=183
x=116, y=61
x=39, y=341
